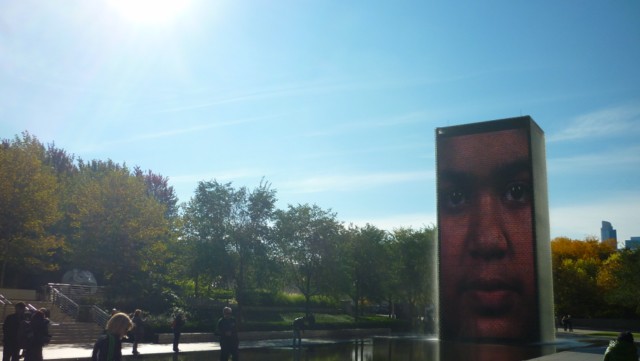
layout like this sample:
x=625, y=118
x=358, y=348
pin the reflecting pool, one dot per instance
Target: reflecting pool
x=404, y=348
x=385, y=349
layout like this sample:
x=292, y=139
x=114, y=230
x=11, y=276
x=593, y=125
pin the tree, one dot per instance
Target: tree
x=620, y=279
x=226, y=235
x=158, y=187
x=249, y=237
x=416, y=272
x=204, y=234
x=119, y=230
x=306, y=237
x=576, y=270
x=367, y=262
x=29, y=206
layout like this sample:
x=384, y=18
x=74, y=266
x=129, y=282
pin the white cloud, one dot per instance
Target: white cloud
x=158, y=134
x=611, y=121
x=229, y=175
x=629, y=156
x=342, y=183
x=389, y=223
x=576, y=221
x=581, y=220
x=389, y=121
x=186, y=184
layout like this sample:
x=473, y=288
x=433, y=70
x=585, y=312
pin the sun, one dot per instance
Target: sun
x=149, y=11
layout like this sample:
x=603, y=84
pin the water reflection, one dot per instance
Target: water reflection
x=378, y=349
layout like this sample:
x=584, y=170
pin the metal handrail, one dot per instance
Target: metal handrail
x=99, y=316
x=4, y=300
x=77, y=292
x=63, y=302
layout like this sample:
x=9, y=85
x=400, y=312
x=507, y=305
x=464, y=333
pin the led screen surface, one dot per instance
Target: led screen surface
x=489, y=258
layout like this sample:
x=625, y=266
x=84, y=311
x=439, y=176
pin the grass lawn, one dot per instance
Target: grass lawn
x=612, y=334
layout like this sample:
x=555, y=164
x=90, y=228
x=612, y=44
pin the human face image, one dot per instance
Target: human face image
x=485, y=210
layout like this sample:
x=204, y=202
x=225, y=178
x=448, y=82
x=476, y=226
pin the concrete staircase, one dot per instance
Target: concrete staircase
x=74, y=332
x=66, y=330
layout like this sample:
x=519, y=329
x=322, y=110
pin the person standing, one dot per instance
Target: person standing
x=39, y=328
x=138, y=330
x=108, y=347
x=228, y=332
x=622, y=348
x=177, y=324
x=11, y=348
x=298, y=330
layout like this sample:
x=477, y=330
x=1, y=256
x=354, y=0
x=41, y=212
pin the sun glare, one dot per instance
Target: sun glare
x=149, y=11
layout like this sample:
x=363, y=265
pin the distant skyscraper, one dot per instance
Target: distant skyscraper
x=607, y=232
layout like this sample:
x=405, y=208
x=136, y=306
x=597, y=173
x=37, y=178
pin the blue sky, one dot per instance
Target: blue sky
x=333, y=102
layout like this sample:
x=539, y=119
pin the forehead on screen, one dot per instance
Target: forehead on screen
x=483, y=149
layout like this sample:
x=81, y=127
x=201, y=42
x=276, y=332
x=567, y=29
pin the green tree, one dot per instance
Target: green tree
x=204, y=234
x=226, y=234
x=367, y=261
x=29, y=206
x=306, y=237
x=620, y=279
x=118, y=229
x=416, y=253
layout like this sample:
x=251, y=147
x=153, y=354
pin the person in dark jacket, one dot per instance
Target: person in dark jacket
x=108, y=347
x=11, y=348
x=228, y=336
x=39, y=328
x=138, y=330
x=298, y=330
x=622, y=348
x=177, y=324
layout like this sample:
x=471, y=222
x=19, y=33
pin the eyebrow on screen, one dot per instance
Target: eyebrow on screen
x=517, y=166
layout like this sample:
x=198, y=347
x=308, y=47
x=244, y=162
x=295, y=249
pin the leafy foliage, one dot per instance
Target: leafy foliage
x=306, y=241
x=593, y=279
x=30, y=207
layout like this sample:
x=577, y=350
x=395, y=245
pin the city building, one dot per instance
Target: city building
x=633, y=243
x=607, y=232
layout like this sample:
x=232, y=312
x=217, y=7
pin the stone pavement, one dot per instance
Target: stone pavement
x=570, y=356
x=83, y=351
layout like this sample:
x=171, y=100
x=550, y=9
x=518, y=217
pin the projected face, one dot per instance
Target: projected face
x=487, y=275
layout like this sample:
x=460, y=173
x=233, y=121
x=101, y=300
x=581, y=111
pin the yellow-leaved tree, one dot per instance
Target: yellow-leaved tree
x=29, y=206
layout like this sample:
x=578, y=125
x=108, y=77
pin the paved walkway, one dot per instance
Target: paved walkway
x=83, y=351
x=80, y=351
x=570, y=356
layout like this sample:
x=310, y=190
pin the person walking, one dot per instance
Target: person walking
x=228, y=332
x=138, y=330
x=176, y=325
x=11, y=347
x=569, y=323
x=108, y=347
